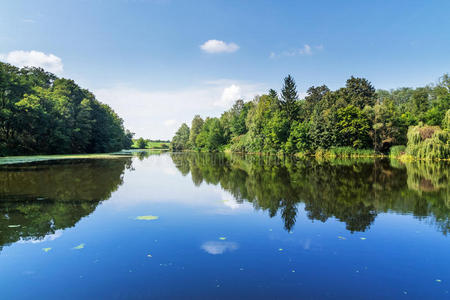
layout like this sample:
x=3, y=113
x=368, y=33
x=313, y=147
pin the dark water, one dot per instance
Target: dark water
x=228, y=227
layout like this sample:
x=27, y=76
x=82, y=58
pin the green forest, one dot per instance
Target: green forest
x=355, y=120
x=43, y=114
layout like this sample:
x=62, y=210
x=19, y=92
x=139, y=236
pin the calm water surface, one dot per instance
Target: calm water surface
x=227, y=227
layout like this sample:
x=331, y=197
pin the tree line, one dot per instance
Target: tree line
x=43, y=114
x=350, y=119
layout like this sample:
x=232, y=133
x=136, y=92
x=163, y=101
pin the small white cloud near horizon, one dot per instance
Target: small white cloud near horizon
x=216, y=46
x=20, y=58
x=170, y=122
x=229, y=95
x=157, y=114
x=305, y=50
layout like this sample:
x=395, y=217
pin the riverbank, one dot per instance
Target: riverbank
x=397, y=152
x=12, y=160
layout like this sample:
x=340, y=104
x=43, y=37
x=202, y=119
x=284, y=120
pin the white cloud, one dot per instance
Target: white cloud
x=20, y=58
x=157, y=114
x=215, y=248
x=229, y=95
x=305, y=50
x=216, y=46
x=170, y=122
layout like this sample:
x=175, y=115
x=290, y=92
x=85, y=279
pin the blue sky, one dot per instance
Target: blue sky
x=145, y=59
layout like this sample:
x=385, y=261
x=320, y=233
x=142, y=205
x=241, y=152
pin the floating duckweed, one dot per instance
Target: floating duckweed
x=147, y=218
x=222, y=238
x=46, y=249
x=80, y=246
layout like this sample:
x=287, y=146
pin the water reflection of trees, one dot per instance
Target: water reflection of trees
x=35, y=201
x=353, y=192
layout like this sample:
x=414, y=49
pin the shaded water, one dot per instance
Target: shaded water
x=217, y=226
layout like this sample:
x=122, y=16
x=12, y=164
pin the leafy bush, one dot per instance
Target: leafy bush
x=240, y=143
x=396, y=151
x=428, y=142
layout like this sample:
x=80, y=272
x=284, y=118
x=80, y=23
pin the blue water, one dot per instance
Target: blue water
x=205, y=244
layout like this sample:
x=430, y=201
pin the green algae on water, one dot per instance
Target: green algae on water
x=147, y=218
x=79, y=247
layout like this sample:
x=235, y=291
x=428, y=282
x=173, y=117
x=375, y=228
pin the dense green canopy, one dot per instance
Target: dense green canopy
x=349, y=119
x=43, y=114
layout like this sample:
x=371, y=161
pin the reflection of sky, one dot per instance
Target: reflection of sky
x=214, y=247
x=48, y=237
x=156, y=180
x=189, y=260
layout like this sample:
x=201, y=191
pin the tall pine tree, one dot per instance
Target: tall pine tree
x=289, y=97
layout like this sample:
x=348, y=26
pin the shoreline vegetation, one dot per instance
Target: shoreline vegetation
x=353, y=121
x=34, y=159
x=142, y=143
x=43, y=114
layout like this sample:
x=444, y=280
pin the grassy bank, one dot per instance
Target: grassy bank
x=11, y=160
x=149, y=144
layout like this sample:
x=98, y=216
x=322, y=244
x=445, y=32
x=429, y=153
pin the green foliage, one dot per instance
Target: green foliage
x=389, y=128
x=359, y=92
x=428, y=142
x=276, y=131
x=239, y=113
x=299, y=139
x=196, y=127
x=354, y=117
x=211, y=136
x=397, y=151
x=289, y=96
x=446, y=121
x=43, y=114
x=181, y=138
x=353, y=127
x=315, y=95
x=241, y=143
x=141, y=143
